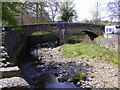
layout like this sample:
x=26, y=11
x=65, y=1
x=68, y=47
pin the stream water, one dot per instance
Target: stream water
x=38, y=77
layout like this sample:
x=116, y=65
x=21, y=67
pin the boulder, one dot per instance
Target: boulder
x=13, y=82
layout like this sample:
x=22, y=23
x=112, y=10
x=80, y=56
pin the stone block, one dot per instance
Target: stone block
x=9, y=72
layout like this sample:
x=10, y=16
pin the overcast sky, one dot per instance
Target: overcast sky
x=84, y=7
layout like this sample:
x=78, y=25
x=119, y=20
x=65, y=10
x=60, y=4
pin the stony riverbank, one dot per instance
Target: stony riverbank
x=100, y=74
x=9, y=74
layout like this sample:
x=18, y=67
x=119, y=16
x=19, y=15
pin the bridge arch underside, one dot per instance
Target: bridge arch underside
x=35, y=39
x=91, y=34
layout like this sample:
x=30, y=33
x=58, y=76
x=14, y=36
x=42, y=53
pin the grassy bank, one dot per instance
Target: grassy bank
x=91, y=50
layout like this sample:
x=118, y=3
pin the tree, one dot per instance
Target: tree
x=9, y=9
x=54, y=9
x=67, y=11
x=87, y=21
x=113, y=9
x=33, y=12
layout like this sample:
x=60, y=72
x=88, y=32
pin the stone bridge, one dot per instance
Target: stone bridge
x=64, y=30
x=13, y=39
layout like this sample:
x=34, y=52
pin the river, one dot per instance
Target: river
x=36, y=74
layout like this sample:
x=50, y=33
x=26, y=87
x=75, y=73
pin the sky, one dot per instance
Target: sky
x=85, y=7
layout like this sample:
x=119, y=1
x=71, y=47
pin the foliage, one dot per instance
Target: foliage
x=9, y=9
x=102, y=23
x=116, y=88
x=75, y=38
x=40, y=33
x=91, y=50
x=42, y=37
x=68, y=12
x=79, y=76
x=99, y=37
x=87, y=21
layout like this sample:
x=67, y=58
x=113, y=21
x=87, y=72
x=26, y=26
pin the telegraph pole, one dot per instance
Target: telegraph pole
x=119, y=13
x=97, y=14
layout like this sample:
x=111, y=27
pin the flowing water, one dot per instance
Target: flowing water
x=38, y=77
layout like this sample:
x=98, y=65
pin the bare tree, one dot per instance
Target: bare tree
x=33, y=12
x=53, y=8
x=114, y=10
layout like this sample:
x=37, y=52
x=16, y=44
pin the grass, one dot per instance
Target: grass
x=99, y=37
x=116, y=88
x=91, y=50
x=40, y=33
x=42, y=37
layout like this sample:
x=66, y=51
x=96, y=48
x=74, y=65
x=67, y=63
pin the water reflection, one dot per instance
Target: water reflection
x=45, y=79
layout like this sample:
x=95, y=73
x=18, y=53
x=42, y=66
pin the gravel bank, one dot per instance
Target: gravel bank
x=100, y=74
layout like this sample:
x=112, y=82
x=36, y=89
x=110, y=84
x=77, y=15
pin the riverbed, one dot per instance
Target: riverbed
x=40, y=74
x=53, y=70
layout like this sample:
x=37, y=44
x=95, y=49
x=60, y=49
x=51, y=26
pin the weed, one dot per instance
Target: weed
x=105, y=83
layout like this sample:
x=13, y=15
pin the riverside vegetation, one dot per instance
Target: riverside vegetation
x=91, y=50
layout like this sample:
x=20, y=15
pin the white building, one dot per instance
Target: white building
x=111, y=31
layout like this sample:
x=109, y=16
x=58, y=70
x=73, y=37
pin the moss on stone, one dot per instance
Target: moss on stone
x=79, y=76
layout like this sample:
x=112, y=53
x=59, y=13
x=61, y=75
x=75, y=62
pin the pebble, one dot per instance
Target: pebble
x=78, y=84
x=94, y=67
x=70, y=80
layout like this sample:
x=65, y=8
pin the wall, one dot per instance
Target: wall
x=111, y=43
x=13, y=42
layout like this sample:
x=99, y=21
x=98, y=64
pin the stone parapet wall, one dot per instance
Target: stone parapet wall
x=111, y=43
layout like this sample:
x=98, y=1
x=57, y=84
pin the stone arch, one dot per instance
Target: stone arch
x=91, y=34
x=51, y=33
